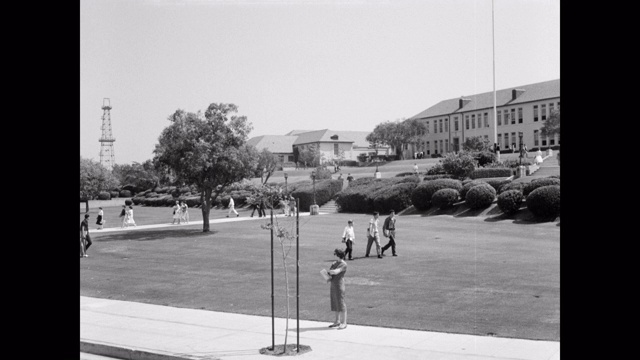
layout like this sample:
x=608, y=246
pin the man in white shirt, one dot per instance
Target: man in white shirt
x=349, y=237
x=373, y=235
x=232, y=207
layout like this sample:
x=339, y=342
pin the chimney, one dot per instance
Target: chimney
x=515, y=93
x=462, y=102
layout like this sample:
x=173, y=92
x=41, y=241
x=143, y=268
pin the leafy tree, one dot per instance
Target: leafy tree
x=209, y=153
x=95, y=178
x=412, y=131
x=476, y=143
x=141, y=176
x=551, y=125
x=311, y=156
x=395, y=134
x=267, y=165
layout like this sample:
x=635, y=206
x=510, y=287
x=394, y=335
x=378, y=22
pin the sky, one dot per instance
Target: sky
x=299, y=65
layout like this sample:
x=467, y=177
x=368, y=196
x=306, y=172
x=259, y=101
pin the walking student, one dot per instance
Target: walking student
x=292, y=206
x=373, y=235
x=337, y=290
x=349, y=237
x=85, y=239
x=176, y=213
x=100, y=219
x=123, y=214
x=128, y=218
x=389, y=230
x=184, y=212
x=232, y=207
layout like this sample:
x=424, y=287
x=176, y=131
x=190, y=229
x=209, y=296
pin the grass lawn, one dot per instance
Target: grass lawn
x=453, y=274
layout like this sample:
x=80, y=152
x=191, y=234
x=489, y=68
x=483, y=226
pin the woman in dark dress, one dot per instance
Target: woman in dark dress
x=338, y=305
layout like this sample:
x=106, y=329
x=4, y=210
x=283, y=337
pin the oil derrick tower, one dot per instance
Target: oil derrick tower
x=107, y=158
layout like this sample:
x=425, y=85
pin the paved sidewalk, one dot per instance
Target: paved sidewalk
x=137, y=331
x=198, y=222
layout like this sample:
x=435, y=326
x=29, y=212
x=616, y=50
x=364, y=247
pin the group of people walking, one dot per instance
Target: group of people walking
x=180, y=212
x=339, y=268
x=127, y=216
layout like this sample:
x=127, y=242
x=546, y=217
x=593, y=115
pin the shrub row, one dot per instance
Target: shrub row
x=325, y=190
x=480, y=196
x=439, y=176
x=490, y=173
x=536, y=183
x=544, y=201
x=445, y=198
x=366, y=195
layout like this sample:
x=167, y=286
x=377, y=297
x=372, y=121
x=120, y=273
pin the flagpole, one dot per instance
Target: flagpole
x=495, y=112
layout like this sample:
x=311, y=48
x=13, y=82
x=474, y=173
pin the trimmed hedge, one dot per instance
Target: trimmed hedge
x=509, y=201
x=512, y=186
x=366, y=194
x=536, y=183
x=397, y=197
x=407, y=173
x=104, y=195
x=325, y=190
x=422, y=194
x=125, y=193
x=439, y=176
x=467, y=185
x=480, y=196
x=482, y=173
x=544, y=201
x=497, y=183
x=445, y=198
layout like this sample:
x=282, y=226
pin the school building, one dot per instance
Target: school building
x=521, y=109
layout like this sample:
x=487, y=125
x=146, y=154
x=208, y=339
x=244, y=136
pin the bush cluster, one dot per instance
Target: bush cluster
x=459, y=165
x=497, y=183
x=114, y=194
x=436, y=169
x=407, y=173
x=480, y=196
x=536, y=183
x=445, y=198
x=422, y=194
x=484, y=157
x=125, y=193
x=544, y=201
x=104, y=195
x=490, y=173
x=468, y=184
x=509, y=201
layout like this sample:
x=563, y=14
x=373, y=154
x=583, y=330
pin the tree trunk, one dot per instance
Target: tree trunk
x=206, y=208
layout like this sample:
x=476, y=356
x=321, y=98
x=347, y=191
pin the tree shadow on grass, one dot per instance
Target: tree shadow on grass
x=155, y=235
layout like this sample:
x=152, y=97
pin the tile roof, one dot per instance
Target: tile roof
x=532, y=92
x=275, y=143
x=296, y=132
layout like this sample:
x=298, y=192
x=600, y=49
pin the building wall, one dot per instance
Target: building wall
x=442, y=139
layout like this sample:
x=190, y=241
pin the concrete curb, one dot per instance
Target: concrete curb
x=127, y=353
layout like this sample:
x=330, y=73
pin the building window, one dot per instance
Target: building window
x=544, y=141
x=466, y=122
x=536, y=138
x=486, y=119
x=519, y=115
x=506, y=141
x=336, y=149
x=440, y=128
x=506, y=117
x=406, y=146
x=435, y=126
x=499, y=118
x=441, y=146
x=535, y=113
x=446, y=125
x=428, y=148
x=558, y=138
x=446, y=145
x=550, y=108
x=552, y=141
x=499, y=139
x=513, y=116
x=558, y=110
x=455, y=123
x=513, y=139
x=473, y=121
x=543, y=110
